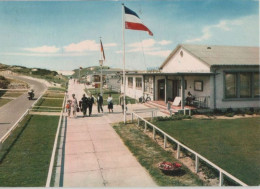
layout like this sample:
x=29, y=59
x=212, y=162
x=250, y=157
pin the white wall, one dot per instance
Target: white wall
x=186, y=63
x=220, y=103
x=133, y=92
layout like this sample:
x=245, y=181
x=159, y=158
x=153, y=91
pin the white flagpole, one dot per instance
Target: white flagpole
x=101, y=65
x=124, y=81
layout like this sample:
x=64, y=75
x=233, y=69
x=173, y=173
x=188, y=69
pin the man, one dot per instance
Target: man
x=90, y=104
x=100, y=103
x=84, y=103
x=121, y=102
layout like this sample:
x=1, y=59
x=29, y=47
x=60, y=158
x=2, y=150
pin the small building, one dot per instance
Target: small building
x=217, y=76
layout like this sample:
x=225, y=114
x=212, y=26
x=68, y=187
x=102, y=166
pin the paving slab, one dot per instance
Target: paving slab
x=77, y=136
x=77, y=147
x=109, y=145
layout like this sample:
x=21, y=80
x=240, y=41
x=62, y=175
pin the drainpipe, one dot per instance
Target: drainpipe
x=214, y=96
x=165, y=89
x=154, y=88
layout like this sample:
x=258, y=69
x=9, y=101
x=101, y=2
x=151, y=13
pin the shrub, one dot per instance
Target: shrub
x=229, y=114
x=230, y=110
x=218, y=111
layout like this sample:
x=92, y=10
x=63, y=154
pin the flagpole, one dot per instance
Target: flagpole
x=101, y=79
x=124, y=79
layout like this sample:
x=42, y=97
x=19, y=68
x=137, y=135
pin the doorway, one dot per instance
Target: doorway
x=161, y=89
x=175, y=89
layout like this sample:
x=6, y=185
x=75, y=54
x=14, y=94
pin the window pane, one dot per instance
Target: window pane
x=138, y=82
x=245, y=83
x=256, y=85
x=231, y=89
x=130, y=82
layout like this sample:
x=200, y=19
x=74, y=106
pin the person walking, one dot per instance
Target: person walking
x=84, y=105
x=74, y=105
x=121, y=102
x=110, y=103
x=68, y=107
x=99, y=103
x=90, y=104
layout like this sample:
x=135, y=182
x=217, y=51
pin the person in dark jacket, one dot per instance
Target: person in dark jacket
x=99, y=103
x=90, y=104
x=84, y=105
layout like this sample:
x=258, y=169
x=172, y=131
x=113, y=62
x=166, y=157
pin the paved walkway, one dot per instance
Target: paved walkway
x=95, y=155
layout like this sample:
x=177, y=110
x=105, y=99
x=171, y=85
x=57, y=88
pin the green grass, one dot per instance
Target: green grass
x=11, y=94
x=50, y=102
x=115, y=95
x=233, y=145
x=4, y=101
x=58, y=89
x=149, y=154
x=53, y=95
x=26, y=160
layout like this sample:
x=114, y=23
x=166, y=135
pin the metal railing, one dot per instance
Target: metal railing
x=54, y=149
x=8, y=133
x=180, y=145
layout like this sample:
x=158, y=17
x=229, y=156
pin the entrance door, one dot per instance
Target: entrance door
x=175, y=89
x=161, y=89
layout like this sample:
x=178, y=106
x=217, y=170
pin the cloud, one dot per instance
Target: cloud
x=110, y=45
x=164, y=42
x=43, y=49
x=163, y=53
x=223, y=25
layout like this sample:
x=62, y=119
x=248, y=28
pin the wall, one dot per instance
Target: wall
x=186, y=63
x=220, y=103
x=113, y=82
x=133, y=92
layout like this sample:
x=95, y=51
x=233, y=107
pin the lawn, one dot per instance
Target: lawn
x=27, y=152
x=4, y=101
x=233, y=145
x=115, y=95
x=53, y=95
x=50, y=102
x=12, y=94
x=149, y=154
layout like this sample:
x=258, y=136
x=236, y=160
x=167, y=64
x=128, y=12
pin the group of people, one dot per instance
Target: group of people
x=86, y=103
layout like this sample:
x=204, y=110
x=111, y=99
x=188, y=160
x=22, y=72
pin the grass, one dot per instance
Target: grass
x=50, y=102
x=233, y=145
x=11, y=94
x=115, y=95
x=53, y=95
x=149, y=154
x=58, y=89
x=4, y=101
x=27, y=152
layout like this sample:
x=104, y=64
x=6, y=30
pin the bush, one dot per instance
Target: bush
x=250, y=111
x=172, y=118
x=229, y=114
x=218, y=111
x=230, y=110
x=4, y=82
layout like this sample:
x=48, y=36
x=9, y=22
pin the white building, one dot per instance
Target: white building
x=218, y=76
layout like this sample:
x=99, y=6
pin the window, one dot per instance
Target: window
x=231, y=83
x=130, y=82
x=245, y=85
x=148, y=86
x=256, y=85
x=138, y=83
x=242, y=85
x=198, y=85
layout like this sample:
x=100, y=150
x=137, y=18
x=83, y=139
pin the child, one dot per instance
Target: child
x=68, y=107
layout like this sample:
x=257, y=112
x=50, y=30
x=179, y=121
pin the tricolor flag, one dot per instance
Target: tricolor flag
x=133, y=22
x=102, y=50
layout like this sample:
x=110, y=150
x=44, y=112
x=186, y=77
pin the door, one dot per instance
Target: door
x=161, y=89
x=175, y=89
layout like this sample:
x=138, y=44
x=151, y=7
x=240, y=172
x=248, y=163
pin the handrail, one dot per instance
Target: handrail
x=195, y=153
x=48, y=182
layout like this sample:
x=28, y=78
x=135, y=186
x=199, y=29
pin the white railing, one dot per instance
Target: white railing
x=7, y=134
x=180, y=145
x=48, y=182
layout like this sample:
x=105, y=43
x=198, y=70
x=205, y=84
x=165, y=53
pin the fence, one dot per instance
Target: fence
x=180, y=145
x=48, y=182
x=9, y=132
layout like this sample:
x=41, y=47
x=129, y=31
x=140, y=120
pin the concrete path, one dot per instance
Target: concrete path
x=95, y=156
x=13, y=110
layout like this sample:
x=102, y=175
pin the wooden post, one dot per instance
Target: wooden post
x=178, y=151
x=153, y=133
x=220, y=178
x=145, y=126
x=165, y=141
x=132, y=117
x=138, y=121
x=182, y=92
x=196, y=164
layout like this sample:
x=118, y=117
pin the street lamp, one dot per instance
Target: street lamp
x=101, y=80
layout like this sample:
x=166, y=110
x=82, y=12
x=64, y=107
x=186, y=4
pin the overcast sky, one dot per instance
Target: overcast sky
x=65, y=35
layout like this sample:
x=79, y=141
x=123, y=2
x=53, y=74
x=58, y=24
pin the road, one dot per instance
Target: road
x=12, y=111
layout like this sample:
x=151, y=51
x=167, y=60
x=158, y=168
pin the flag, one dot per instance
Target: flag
x=133, y=22
x=102, y=50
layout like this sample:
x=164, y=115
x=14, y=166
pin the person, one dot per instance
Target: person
x=110, y=103
x=90, y=104
x=84, y=104
x=189, y=98
x=68, y=107
x=74, y=105
x=121, y=102
x=100, y=103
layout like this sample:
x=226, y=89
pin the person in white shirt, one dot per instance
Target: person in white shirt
x=110, y=103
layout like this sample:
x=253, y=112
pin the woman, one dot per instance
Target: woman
x=74, y=105
x=110, y=103
x=84, y=104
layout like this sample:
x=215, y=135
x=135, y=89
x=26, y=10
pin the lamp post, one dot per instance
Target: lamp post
x=101, y=79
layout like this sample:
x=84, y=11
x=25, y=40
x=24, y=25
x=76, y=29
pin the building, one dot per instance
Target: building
x=218, y=77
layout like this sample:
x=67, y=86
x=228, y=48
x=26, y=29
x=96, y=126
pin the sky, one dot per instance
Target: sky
x=65, y=35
